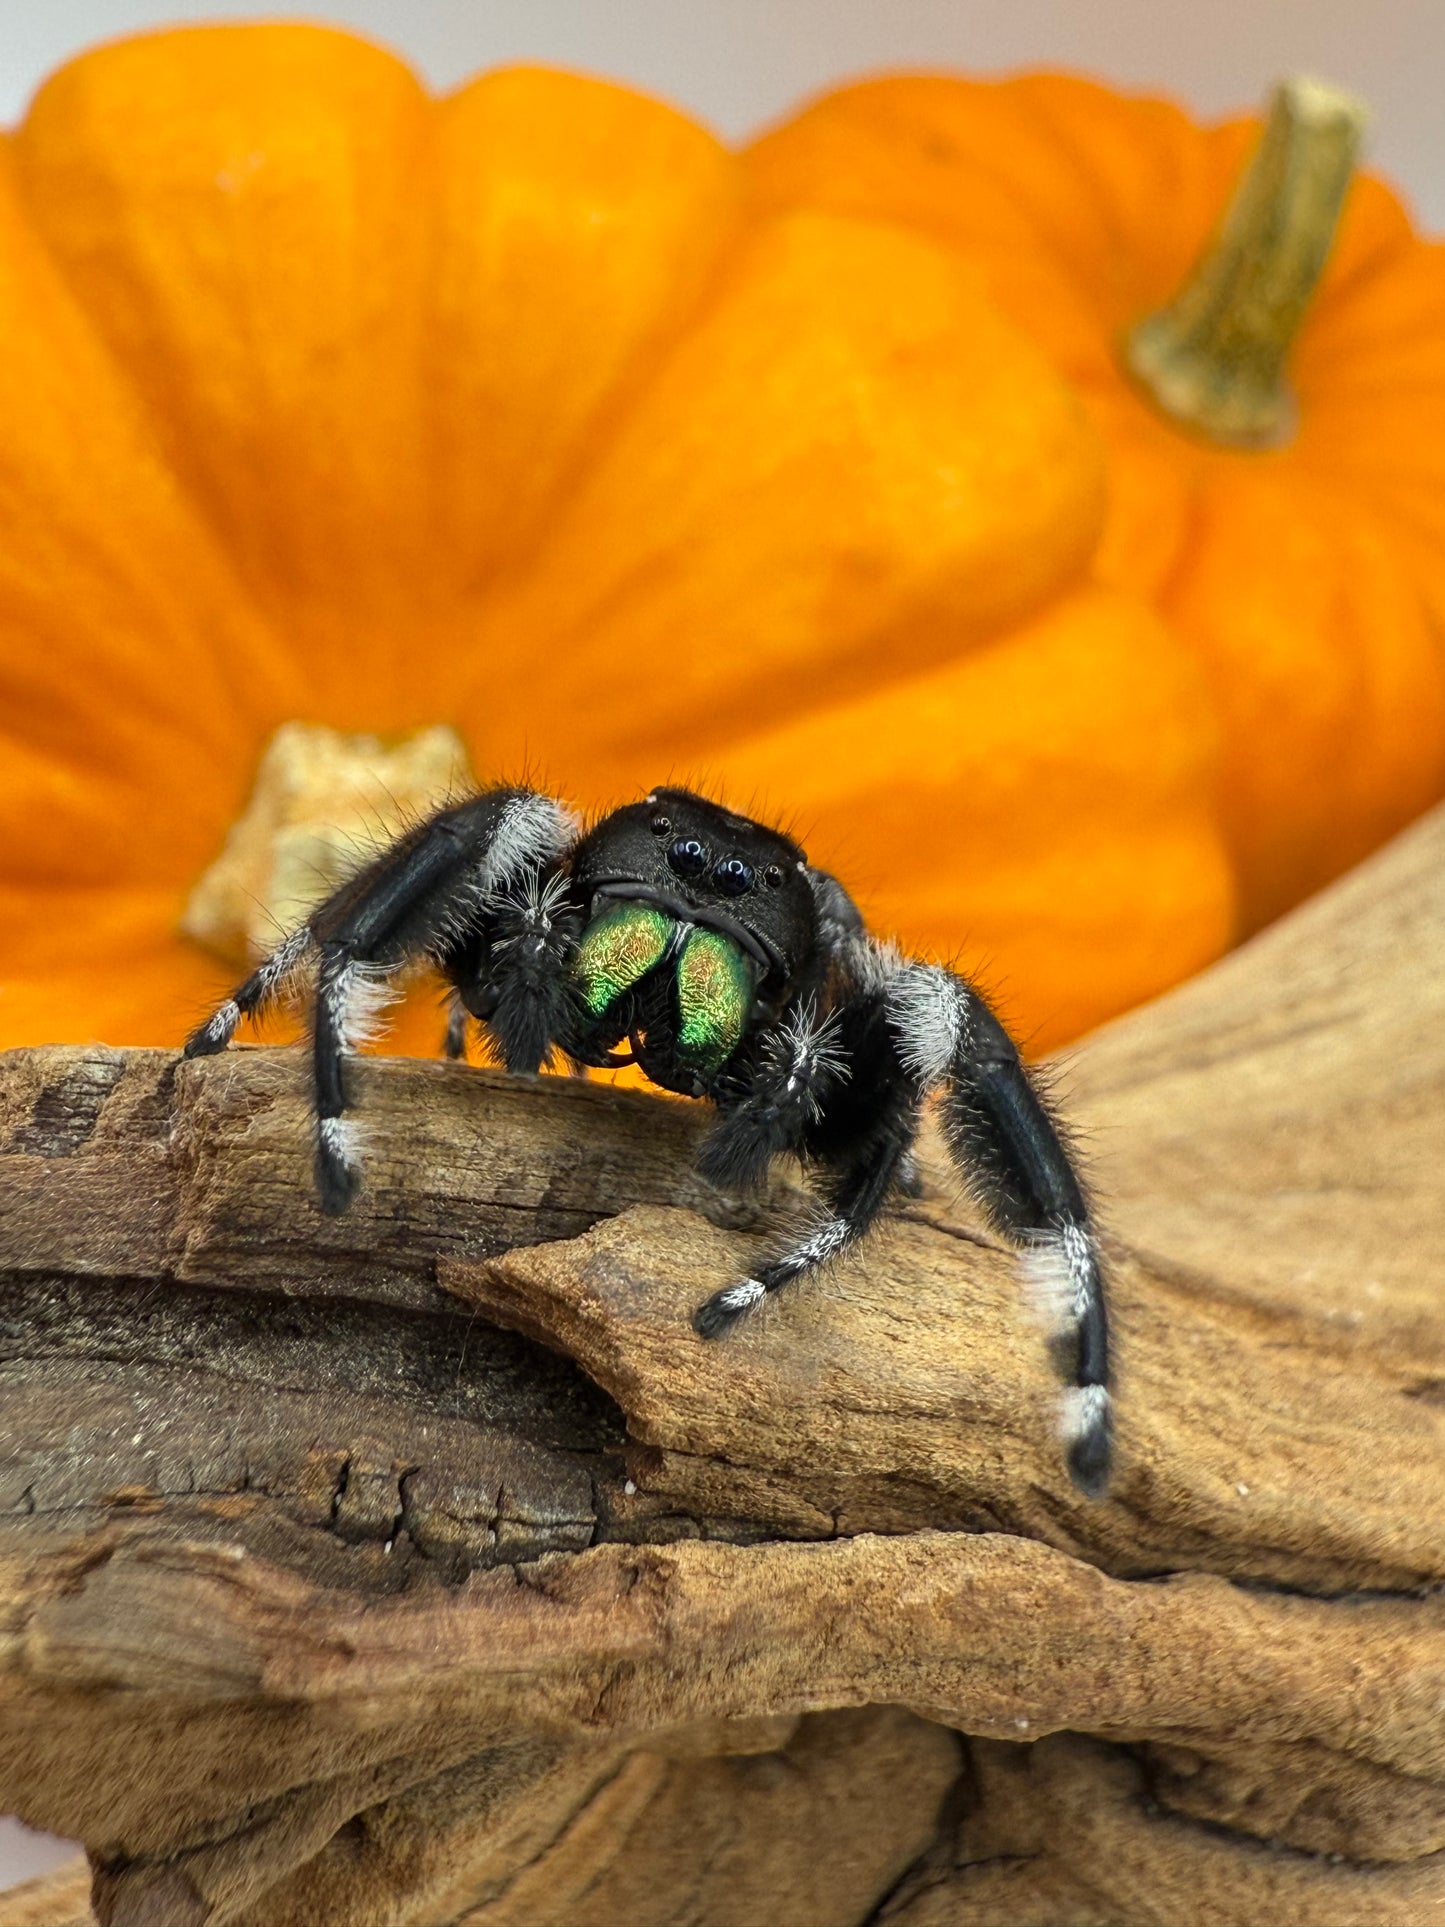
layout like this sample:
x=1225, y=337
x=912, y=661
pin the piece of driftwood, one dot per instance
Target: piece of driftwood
x=423, y=1566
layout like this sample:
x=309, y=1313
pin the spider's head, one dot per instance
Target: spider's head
x=701, y=864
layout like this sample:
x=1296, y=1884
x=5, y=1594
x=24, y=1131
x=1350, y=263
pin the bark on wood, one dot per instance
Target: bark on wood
x=423, y=1566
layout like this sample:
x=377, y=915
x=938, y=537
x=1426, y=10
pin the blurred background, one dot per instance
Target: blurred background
x=740, y=64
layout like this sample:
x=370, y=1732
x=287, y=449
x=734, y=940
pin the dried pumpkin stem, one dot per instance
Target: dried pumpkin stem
x=1214, y=358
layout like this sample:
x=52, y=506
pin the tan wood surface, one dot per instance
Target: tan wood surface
x=423, y=1566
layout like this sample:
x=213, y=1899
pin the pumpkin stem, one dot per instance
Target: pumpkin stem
x=1214, y=357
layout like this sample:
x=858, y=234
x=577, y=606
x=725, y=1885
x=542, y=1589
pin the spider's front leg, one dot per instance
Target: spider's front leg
x=835, y=1091
x=905, y=1030
x=1014, y=1161
x=446, y=892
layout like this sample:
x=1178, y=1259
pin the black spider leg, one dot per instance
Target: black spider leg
x=943, y=1035
x=428, y=896
x=455, y=1042
x=265, y=982
x=431, y=895
x=854, y=1121
x=1013, y=1159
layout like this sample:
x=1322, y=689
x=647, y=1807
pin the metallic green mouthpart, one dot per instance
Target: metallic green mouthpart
x=714, y=996
x=618, y=949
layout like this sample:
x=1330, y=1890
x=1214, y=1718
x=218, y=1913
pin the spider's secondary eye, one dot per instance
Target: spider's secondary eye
x=733, y=877
x=688, y=857
x=773, y=877
x=661, y=825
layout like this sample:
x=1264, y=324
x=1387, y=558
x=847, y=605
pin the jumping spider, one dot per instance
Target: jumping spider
x=735, y=972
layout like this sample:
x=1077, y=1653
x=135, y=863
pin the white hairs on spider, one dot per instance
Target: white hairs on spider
x=1084, y=1413
x=1062, y=1271
x=742, y=1295
x=222, y=1026
x=358, y=996
x=542, y=897
x=804, y=1051
x=829, y=1237
x=533, y=830
x=340, y=1140
x=273, y=972
x=926, y=1015
x=871, y=963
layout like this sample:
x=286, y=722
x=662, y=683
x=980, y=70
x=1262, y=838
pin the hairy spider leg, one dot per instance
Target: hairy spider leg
x=265, y=982
x=1011, y=1156
x=856, y=1123
x=426, y=896
x=455, y=1042
x=941, y=1036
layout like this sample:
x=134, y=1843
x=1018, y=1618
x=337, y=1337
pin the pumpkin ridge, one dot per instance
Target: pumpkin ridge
x=199, y=508
x=331, y=118
x=719, y=213
x=883, y=120
x=234, y=650
x=647, y=367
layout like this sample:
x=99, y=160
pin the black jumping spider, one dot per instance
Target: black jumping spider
x=734, y=972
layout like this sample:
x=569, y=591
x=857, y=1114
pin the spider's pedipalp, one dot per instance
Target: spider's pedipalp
x=534, y=930
x=860, y=1136
x=784, y=1084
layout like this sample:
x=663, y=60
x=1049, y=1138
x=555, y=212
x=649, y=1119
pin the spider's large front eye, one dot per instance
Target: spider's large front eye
x=733, y=877
x=688, y=857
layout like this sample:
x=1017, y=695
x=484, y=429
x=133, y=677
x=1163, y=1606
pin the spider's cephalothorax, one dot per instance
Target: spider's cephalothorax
x=701, y=946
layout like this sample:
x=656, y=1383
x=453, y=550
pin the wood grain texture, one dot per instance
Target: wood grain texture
x=423, y=1566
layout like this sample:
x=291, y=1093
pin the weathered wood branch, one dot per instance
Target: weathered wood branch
x=424, y=1566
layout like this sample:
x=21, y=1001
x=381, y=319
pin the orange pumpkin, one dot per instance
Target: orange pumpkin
x=328, y=401
x=1308, y=578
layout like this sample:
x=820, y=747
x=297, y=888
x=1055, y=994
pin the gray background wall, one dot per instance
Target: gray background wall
x=739, y=63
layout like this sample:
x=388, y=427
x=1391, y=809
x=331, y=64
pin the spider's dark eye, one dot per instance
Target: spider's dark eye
x=773, y=877
x=733, y=877
x=688, y=857
x=662, y=826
